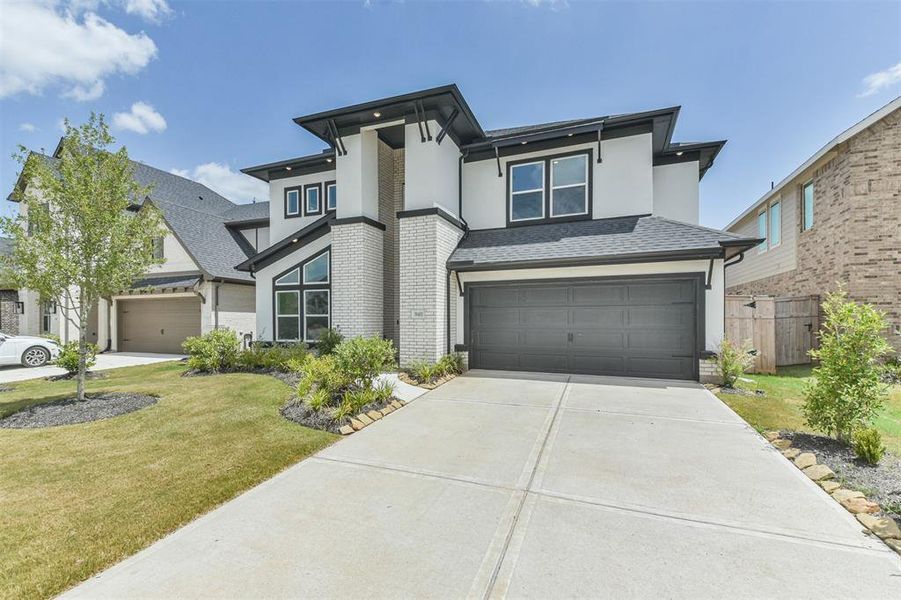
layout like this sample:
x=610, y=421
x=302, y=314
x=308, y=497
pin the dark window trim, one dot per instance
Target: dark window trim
x=299, y=190
x=318, y=187
x=547, y=218
x=300, y=288
x=325, y=187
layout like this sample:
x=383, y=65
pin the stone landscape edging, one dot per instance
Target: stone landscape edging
x=368, y=418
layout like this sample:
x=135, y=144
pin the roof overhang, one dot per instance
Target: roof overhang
x=292, y=167
x=439, y=104
x=248, y=223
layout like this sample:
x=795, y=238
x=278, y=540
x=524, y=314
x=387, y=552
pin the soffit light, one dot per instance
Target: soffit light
x=294, y=241
x=287, y=168
x=679, y=153
x=376, y=114
x=328, y=160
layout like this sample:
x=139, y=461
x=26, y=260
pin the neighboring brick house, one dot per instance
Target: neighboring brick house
x=571, y=246
x=835, y=219
x=9, y=297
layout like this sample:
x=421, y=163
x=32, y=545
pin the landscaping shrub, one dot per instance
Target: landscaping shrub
x=846, y=393
x=890, y=371
x=213, y=352
x=328, y=341
x=278, y=357
x=868, y=445
x=363, y=359
x=68, y=357
x=451, y=364
x=321, y=373
x=424, y=372
x=732, y=360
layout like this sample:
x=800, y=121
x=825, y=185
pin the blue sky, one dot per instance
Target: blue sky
x=206, y=88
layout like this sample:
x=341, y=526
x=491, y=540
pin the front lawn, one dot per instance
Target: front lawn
x=780, y=408
x=78, y=498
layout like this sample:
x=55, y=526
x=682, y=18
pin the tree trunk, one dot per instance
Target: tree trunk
x=82, y=347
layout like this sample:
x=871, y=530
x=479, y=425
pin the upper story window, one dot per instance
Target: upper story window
x=312, y=199
x=292, y=202
x=331, y=196
x=761, y=230
x=546, y=189
x=775, y=237
x=807, y=205
x=157, y=251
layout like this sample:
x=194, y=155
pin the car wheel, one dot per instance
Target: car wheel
x=35, y=357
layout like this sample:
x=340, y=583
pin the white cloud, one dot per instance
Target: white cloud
x=554, y=5
x=44, y=45
x=142, y=118
x=28, y=127
x=881, y=80
x=150, y=10
x=234, y=185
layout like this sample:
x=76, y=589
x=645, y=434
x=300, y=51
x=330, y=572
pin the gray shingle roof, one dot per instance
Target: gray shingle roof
x=616, y=238
x=248, y=212
x=166, y=281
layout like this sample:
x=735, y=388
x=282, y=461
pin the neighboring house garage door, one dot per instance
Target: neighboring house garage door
x=157, y=325
x=637, y=327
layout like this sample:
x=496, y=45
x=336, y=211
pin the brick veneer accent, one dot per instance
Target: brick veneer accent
x=426, y=242
x=357, y=279
x=9, y=320
x=856, y=237
x=391, y=199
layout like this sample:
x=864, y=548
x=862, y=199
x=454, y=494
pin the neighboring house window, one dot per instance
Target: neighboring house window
x=302, y=300
x=761, y=230
x=312, y=199
x=550, y=188
x=331, y=196
x=775, y=237
x=807, y=195
x=47, y=309
x=292, y=202
x=158, y=248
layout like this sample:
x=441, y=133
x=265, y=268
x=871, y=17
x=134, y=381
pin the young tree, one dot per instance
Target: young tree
x=846, y=392
x=75, y=241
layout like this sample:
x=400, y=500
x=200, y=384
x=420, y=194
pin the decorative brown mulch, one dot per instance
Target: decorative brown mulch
x=302, y=414
x=405, y=377
x=70, y=411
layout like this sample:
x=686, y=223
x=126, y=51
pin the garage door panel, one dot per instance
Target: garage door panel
x=157, y=325
x=643, y=328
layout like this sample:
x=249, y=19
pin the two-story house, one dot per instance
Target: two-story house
x=195, y=289
x=835, y=219
x=571, y=246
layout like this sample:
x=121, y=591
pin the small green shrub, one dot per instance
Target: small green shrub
x=68, y=357
x=363, y=359
x=319, y=399
x=384, y=391
x=732, y=360
x=868, y=445
x=451, y=364
x=322, y=373
x=328, y=341
x=279, y=357
x=846, y=392
x=423, y=372
x=214, y=352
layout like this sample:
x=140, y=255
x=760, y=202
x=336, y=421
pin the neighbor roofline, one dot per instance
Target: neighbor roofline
x=844, y=136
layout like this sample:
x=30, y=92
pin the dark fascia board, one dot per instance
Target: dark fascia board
x=617, y=259
x=248, y=223
x=421, y=212
x=360, y=219
x=303, y=236
x=703, y=152
x=302, y=165
x=348, y=119
x=733, y=248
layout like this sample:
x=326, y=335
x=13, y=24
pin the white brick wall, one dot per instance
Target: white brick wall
x=426, y=242
x=708, y=372
x=357, y=279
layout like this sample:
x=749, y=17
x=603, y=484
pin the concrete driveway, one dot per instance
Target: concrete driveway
x=109, y=360
x=523, y=486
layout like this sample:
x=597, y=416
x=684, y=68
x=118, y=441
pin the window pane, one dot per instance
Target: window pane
x=289, y=278
x=332, y=197
x=775, y=224
x=288, y=328
x=527, y=206
x=293, y=202
x=316, y=271
x=287, y=303
x=315, y=327
x=808, y=206
x=568, y=171
x=527, y=177
x=568, y=201
x=313, y=199
x=316, y=303
x=761, y=230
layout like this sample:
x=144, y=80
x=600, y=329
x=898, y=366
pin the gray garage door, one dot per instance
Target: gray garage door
x=628, y=327
x=157, y=325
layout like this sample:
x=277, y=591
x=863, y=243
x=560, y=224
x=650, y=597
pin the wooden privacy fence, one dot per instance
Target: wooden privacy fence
x=782, y=329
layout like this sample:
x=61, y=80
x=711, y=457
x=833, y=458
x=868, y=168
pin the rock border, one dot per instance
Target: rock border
x=365, y=419
x=853, y=501
x=405, y=377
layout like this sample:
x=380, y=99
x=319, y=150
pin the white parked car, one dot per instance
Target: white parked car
x=27, y=350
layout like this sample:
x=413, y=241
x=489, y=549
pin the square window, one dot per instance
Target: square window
x=316, y=271
x=292, y=202
x=314, y=327
x=288, y=328
x=528, y=177
x=807, y=193
x=571, y=170
x=287, y=303
x=529, y=205
x=569, y=201
x=316, y=302
x=331, y=196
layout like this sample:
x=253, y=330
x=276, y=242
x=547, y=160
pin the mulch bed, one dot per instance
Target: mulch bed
x=6, y=388
x=89, y=375
x=405, y=377
x=880, y=483
x=70, y=411
x=302, y=414
x=737, y=391
x=290, y=379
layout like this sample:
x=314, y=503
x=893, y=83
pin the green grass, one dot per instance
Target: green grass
x=781, y=407
x=79, y=498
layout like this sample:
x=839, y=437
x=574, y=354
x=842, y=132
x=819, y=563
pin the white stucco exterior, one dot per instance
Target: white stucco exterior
x=279, y=226
x=676, y=192
x=176, y=258
x=358, y=176
x=431, y=171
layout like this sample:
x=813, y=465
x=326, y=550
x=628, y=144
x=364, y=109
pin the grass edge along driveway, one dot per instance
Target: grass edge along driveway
x=78, y=498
